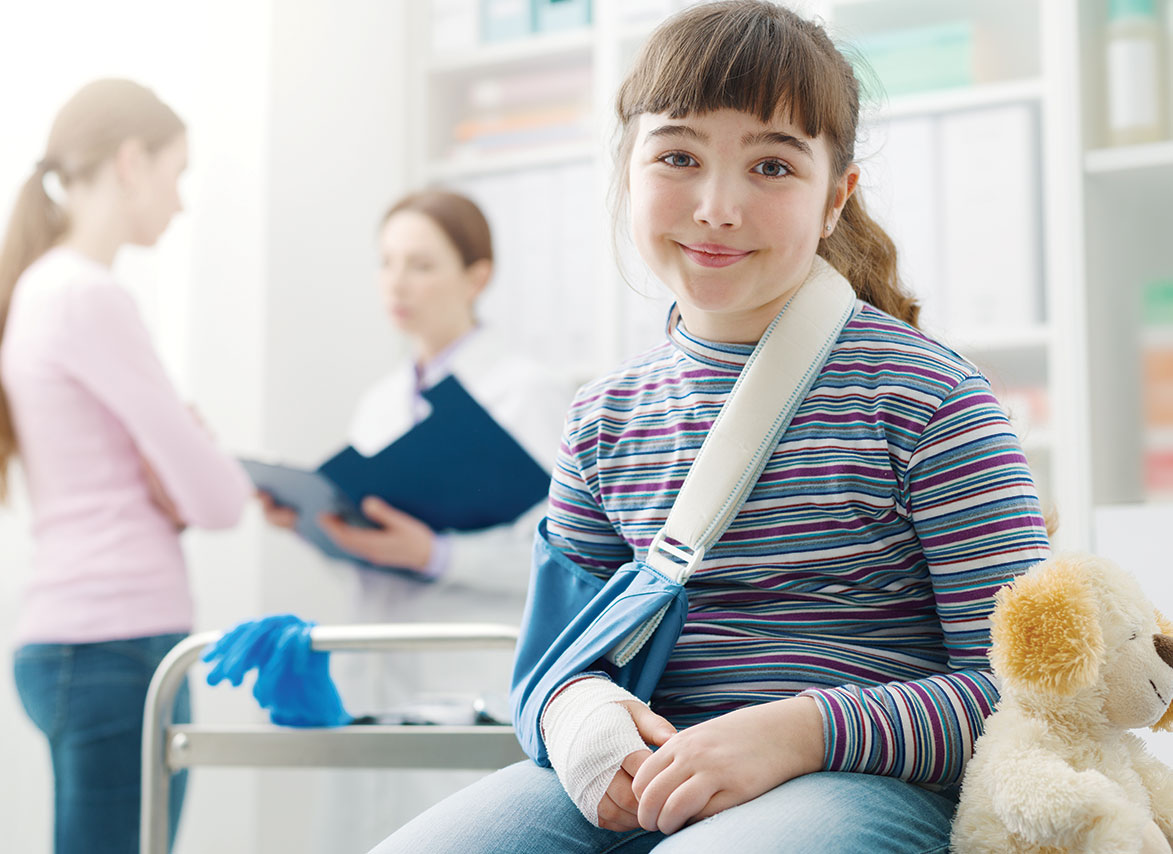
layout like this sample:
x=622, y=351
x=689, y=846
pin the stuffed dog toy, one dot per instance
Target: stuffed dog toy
x=1083, y=657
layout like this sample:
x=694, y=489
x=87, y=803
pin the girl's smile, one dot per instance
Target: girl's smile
x=713, y=254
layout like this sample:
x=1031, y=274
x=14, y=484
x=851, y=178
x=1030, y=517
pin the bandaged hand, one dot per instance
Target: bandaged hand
x=597, y=736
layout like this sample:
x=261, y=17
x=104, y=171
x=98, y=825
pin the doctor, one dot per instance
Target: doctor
x=436, y=259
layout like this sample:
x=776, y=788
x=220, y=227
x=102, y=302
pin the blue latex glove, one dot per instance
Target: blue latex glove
x=245, y=646
x=293, y=681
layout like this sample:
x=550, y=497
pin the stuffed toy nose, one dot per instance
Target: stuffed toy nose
x=1164, y=645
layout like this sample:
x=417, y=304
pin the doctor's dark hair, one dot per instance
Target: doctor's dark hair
x=88, y=131
x=457, y=216
x=760, y=58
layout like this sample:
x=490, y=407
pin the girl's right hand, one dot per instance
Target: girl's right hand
x=277, y=514
x=618, y=810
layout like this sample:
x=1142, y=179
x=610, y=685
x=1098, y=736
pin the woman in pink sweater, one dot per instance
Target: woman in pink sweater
x=115, y=463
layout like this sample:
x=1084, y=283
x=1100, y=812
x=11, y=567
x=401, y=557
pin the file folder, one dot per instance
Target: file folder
x=456, y=470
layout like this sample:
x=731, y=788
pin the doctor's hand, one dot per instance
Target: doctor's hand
x=400, y=540
x=277, y=514
x=727, y=761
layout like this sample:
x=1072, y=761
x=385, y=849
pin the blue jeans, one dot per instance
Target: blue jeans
x=523, y=809
x=88, y=701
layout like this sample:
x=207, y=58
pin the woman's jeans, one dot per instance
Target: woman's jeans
x=88, y=701
x=523, y=809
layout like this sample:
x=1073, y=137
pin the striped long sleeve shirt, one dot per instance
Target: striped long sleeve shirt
x=862, y=568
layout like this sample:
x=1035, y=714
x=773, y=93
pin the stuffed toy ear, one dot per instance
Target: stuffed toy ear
x=1165, y=724
x=1045, y=630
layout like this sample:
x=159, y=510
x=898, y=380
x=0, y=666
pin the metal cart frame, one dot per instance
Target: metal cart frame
x=168, y=748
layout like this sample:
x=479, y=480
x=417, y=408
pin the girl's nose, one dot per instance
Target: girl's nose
x=718, y=205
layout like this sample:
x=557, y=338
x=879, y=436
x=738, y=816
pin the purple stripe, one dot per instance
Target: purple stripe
x=936, y=731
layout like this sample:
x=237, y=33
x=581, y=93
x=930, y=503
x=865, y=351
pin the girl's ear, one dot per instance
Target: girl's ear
x=128, y=160
x=846, y=186
x=1045, y=630
x=1165, y=724
x=840, y=192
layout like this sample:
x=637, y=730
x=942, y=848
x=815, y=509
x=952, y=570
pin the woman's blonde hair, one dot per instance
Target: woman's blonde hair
x=87, y=132
x=759, y=58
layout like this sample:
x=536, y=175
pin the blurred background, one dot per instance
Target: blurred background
x=1020, y=152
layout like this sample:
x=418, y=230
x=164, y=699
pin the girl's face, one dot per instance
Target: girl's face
x=728, y=212
x=151, y=179
x=427, y=290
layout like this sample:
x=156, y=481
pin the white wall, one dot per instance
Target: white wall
x=260, y=297
x=334, y=158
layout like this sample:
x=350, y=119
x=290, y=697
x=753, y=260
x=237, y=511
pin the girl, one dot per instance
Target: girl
x=116, y=464
x=436, y=259
x=831, y=676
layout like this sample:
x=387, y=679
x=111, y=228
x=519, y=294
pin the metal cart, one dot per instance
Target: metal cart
x=168, y=748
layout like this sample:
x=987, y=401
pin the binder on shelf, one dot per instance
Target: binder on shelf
x=991, y=256
x=903, y=195
x=550, y=15
x=502, y=20
x=1156, y=371
x=457, y=470
x=518, y=111
x=923, y=58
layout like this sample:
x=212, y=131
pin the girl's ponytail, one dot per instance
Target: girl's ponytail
x=866, y=256
x=36, y=224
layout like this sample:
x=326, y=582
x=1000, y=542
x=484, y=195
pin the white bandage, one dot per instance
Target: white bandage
x=587, y=735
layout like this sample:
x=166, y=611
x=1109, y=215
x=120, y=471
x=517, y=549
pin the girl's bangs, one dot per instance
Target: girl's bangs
x=754, y=65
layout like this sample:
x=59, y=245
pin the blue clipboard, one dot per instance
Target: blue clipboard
x=456, y=470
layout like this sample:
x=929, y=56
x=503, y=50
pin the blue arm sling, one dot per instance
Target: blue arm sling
x=574, y=620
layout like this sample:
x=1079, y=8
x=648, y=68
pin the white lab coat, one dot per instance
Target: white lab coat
x=485, y=581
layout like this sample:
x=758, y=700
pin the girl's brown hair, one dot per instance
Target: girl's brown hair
x=87, y=132
x=458, y=217
x=760, y=58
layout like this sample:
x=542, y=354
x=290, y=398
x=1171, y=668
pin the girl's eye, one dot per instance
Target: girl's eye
x=679, y=160
x=772, y=169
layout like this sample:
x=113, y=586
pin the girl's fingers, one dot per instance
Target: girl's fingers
x=621, y=795
x=652, y=766
x=613, y=817
x=720, y=802
x=633, y=761
x=656, y=790
x=653, y=728
x=685, y=801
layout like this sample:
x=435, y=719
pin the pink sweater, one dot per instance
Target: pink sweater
x=88, y=395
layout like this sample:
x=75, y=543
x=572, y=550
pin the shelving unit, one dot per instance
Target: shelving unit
x=1128, y=235
x=1021, y=69
x=514, y=52
x=452, y=169
x=1156, y=157
x=1091, y=214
